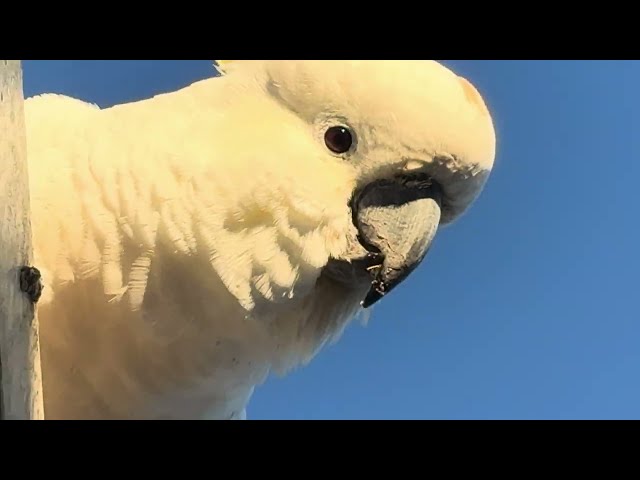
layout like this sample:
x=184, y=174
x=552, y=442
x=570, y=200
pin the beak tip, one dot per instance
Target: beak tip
x=369, y=302
x=374, y=295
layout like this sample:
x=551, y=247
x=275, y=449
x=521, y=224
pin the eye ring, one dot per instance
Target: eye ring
x=339, y=139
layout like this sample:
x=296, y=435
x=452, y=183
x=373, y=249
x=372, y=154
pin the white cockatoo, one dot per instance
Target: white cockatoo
x=193, y=242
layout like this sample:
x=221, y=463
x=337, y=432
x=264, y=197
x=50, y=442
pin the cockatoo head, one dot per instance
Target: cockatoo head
x=387, y=150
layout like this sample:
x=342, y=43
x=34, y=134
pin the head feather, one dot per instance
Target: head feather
x=220, y=65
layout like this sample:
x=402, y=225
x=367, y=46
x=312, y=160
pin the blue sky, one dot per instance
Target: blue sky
x=526, y=308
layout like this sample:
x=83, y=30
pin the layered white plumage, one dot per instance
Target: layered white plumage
x=182, y=239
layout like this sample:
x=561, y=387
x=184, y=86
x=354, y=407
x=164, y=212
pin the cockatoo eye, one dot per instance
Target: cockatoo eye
x=338, y=139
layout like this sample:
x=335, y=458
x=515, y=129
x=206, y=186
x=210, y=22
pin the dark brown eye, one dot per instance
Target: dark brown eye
x=338, y=139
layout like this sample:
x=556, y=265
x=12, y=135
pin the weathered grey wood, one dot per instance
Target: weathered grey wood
x=20, y=369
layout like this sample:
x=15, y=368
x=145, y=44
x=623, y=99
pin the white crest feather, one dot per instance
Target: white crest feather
x=220, y=65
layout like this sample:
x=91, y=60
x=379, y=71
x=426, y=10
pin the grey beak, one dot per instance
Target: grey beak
x=398, y=220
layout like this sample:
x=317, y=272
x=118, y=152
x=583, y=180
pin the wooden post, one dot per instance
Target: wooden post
x=20, y=373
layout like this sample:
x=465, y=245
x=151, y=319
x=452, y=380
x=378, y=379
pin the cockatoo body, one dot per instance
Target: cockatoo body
x=194, y=242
